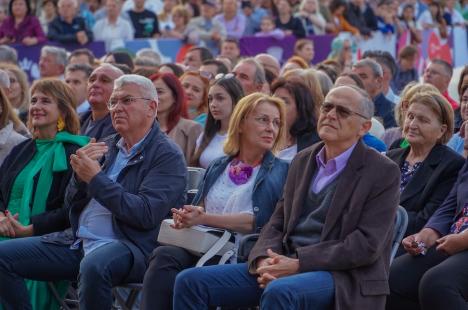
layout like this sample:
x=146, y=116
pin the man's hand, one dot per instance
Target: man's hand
x=81, y=37
x=452, y=244
x=427, y=236
x=95, y=150
x=274, y=267
x=20, y=230
x=85, y=167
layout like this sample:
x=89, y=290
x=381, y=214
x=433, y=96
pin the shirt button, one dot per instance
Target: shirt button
x=256, y=209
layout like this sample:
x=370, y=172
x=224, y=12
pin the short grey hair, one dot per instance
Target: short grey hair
x=370, y=63
x=8, y=54
x=60, y=54
x=111, y=67
x=325, y=82
x=145, y=61
x=149, y=53
x=259, y=71
x=147, y=87
x=366, y=105
x=4, y=79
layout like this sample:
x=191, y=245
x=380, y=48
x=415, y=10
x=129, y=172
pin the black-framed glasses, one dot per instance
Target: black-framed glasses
x=126, y=101
x=341, y=111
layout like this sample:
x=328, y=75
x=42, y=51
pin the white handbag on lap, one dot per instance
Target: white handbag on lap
x=199, y=240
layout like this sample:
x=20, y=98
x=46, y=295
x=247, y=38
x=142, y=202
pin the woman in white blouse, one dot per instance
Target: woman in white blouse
x=239, y=192
x=223, y=96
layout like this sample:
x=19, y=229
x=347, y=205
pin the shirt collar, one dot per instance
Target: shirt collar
x=334, y=164
x=134, y=149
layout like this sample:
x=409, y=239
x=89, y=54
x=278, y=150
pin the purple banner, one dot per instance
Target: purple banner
x=28, y=56
x=283, y=49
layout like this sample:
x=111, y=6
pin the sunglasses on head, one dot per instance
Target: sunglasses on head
x=224, y=76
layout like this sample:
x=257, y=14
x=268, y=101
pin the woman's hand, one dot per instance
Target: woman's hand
x=187, y=216
x=15, y=228
x=453, y=243
x=426, y=236
x=5, y=40
x=30, y=41
x=6, y=229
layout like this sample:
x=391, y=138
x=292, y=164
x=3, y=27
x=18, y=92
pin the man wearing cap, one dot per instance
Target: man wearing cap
x=205, y=30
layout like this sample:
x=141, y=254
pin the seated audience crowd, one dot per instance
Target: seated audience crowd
x=309, y=161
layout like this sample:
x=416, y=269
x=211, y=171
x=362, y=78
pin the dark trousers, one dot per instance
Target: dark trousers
x=434, y=281
x=31, y=258
x=158, y=285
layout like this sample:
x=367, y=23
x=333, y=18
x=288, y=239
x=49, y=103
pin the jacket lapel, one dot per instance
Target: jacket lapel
x=420, y=178
x=349, y=178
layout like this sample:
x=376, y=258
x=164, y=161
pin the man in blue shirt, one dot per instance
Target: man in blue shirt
x=121, y=190
x=68, y=27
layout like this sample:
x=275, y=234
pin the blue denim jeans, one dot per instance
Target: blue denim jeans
x=233, y=286
x=31, y=258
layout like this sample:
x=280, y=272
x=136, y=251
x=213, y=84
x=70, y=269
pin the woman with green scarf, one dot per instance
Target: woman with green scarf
x=35, y=174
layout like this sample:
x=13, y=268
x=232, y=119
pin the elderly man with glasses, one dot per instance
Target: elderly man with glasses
x=328, y=243
x=121, y=191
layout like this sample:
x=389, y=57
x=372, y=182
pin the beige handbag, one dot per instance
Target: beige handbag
x=199, y=240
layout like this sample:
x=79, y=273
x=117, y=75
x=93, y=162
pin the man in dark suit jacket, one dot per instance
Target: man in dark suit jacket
x=371, y=75
x=329, y=239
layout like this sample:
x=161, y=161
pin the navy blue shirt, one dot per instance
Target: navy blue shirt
x=145, y=23
x=63, y=32
x=384, y=110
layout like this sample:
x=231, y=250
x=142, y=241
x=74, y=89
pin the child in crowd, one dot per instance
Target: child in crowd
x=385, y=18
x=268, y=29
x=406, y=68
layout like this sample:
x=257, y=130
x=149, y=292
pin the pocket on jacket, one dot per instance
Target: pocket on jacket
x=374, y=287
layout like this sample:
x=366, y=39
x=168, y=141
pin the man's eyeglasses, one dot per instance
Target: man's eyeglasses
x=341, y=111
x=113, y=102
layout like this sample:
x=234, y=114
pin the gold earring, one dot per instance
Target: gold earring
x=60, y=124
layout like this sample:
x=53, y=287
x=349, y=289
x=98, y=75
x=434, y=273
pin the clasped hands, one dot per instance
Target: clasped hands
x=12, y=228
x=449, y=244
x=85, y=162
x=275, y=266
x=187, y=216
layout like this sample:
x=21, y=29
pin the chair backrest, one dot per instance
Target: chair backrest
x=401, y=223
x=195, y=176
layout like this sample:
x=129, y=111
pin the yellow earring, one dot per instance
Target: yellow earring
x=60, y=124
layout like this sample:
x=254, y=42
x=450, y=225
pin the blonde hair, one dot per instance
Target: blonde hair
x=182, y=10
x=66, y=102
x=441, y=107
x=243, y=108
x=22, y=81
x=410, y=90
x=7, y=113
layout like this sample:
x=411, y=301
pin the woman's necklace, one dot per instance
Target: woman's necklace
x=240, y=172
